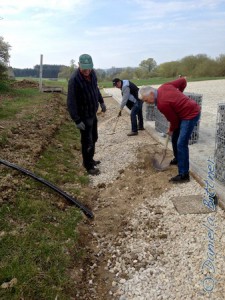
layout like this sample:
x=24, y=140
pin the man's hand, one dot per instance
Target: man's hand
x=81, y=126
x=103, y=107
x=119, y=114
x=170, y=133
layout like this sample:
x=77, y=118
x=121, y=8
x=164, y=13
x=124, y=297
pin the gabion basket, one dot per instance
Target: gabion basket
x=150, y=112
x=219, y=155
x=195, y=133
x=161, y=123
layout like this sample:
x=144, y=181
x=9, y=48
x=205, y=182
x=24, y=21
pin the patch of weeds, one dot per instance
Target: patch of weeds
x=4, y=86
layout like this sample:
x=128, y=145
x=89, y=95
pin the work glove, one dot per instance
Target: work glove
x=81, y=126
x=119, y=114
x=103, y=107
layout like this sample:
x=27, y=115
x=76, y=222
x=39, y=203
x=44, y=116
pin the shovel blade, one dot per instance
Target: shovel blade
x=159, y=164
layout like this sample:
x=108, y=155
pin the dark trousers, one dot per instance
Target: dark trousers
x=89, y=137
x=136, y=112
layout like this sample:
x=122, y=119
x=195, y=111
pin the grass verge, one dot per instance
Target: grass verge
x=39, y=244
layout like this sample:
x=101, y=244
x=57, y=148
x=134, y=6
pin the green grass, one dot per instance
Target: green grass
x=38, y=246
x=39, y=239
x=58, y=161
x=18, y=99
x=35, y=249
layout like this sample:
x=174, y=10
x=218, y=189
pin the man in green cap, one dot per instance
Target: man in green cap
x=83, y=100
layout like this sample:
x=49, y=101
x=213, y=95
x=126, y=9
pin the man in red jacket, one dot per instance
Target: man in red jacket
x=183, y=114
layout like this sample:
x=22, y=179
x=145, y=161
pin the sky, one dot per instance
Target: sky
x=119, y=33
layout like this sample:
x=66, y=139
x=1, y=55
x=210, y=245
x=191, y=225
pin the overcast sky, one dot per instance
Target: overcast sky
x=117, y=33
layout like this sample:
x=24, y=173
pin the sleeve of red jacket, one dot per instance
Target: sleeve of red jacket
x=180, y=84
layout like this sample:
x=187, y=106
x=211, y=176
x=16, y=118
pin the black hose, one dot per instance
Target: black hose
x=85, y=210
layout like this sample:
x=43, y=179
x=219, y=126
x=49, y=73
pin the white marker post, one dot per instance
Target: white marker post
x=40, y=76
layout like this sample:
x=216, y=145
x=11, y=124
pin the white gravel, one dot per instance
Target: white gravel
x=213, y=92
x=161, y=253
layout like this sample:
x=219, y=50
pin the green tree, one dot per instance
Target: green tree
x=149, y=65
x=220, y=61
x=169, y=69
x=65, y=71
x=198, y=65
x=127, y=73
x=4, y=56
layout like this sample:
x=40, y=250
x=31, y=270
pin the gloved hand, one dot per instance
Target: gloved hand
x=103, y=107
x=81, y=126
x=120, y=113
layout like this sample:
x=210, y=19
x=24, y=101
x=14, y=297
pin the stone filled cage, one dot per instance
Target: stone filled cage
x=219, y=155
x=150, y=112
x=161, y=123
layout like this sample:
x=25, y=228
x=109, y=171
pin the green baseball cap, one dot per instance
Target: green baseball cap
x=85, y=62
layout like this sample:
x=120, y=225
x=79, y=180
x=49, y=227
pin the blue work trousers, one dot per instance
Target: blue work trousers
x=180, y=140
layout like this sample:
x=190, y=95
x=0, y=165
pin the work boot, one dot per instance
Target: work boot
x=173, y=161
x=180, y=178
x=141, y=128
x=93, y=171
x=96, y=162
x=132, y=133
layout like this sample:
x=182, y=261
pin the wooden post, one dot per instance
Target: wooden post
x=40, y=77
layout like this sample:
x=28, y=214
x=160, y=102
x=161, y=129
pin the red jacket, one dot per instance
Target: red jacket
x=174, y=104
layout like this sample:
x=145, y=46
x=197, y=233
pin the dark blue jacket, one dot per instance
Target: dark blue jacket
x=83, y=96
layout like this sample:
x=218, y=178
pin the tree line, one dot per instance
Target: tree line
x=48, y=71
x=192, y=66
x=199, y=65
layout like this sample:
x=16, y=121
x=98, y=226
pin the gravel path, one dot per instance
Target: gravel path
x=159, y=253
x=213, y=92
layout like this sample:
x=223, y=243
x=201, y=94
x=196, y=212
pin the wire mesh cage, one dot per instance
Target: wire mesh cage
x=150, y=112
x=195, y=133
x=161, y=123
x=219, y=155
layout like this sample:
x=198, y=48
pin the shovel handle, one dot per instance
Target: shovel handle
x=167, y=141
x=166, y=145
x=114, y=128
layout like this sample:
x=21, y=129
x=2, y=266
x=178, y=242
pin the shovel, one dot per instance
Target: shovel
x=114, y=128
x=158, y=162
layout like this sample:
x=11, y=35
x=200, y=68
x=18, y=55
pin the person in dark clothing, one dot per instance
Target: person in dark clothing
x=83, y=101
x=183, y=114
x=130, y=99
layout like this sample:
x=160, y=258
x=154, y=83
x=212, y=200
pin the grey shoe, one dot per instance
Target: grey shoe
x=132, y=133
